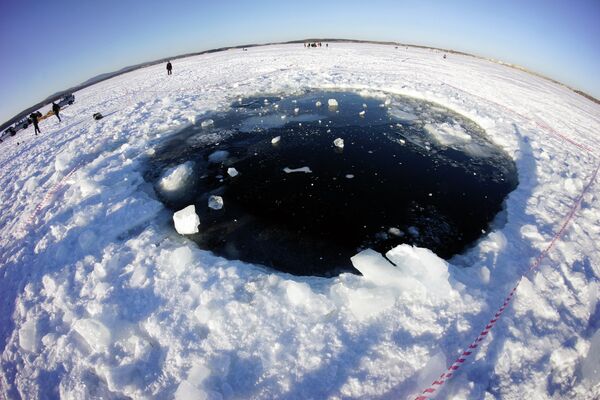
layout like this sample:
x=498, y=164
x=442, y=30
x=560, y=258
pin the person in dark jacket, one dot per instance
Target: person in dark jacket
x=169, y=68
x=56, y=110
x=34, y=120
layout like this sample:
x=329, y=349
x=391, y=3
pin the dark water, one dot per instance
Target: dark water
x=393, y=182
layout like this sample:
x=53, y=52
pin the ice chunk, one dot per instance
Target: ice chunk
x=362, y=113
x=413, y=231
x=402, y=115
x=590, y=368
x=387, y=102
x=296, y=110
x=95, y=333
x=306, y=170
x=332, y=103
x=424, y=266
x=276, y=139
x=215, y=202
x=174, y=181
x=395, y=232
x=339, y=143
x=448, y=134
x=415, y=268
x=318, y=104
x=297, y=292
x=28, y=335
x=206, y=123
x=187, y=391
x=349, y=176
x=218, y=156
x=232, y=172
x=180, y=259
x=186, y=220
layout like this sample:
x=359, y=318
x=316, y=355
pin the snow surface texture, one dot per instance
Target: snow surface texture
x=102, y=298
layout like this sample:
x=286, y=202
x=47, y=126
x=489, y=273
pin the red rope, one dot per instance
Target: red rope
x=449, y=373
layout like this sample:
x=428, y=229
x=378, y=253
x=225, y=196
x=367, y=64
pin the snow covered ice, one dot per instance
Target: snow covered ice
x=141, y=312
x=339, y=143
x=186, y=220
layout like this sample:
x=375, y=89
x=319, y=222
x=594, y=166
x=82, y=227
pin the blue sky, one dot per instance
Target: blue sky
x=47, y=46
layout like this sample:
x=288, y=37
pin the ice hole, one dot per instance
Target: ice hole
x=409, y=171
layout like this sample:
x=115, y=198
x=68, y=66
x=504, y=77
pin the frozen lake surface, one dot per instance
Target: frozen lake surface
x=102, y=298
x=410, y=171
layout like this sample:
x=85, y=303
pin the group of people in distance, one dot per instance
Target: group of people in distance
x=36, y=115
x=315, y=44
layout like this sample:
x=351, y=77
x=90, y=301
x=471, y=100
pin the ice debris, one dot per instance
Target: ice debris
x=218, y=156
x=215, y=202
x=318, y=104
x=174, y=181
x=276, y=139
x=339, y=143
x=206, y=123
x=186, y=220
x=232, y=172
x=332, y=103
x=306, y=170
x=395, y=232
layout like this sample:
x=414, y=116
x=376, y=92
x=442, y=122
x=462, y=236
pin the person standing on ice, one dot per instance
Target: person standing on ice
x=34, y=119
x=169, y=68
x=56, y=110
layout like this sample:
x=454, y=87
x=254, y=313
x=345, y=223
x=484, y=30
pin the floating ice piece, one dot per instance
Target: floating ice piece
x=232, y=172
x=318, y=104
x=364, y=105
x=174, y=181
x=215, y=202
x=339, y=143
x=395, y=232
x=218, y=156
x=362, y=113
x=349, y=176
x=186, y=220
x=206, y=123
x=413, y=231
x=387, y=102
x=332, y=103
x=303, y=169
x=296, y=110
x=276, y=140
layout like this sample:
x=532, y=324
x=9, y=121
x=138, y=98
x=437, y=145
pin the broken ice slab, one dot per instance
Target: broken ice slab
x=339, y=143
x=332, y=103
x=186, y=220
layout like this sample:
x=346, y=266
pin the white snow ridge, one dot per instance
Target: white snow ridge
x=101, y=298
